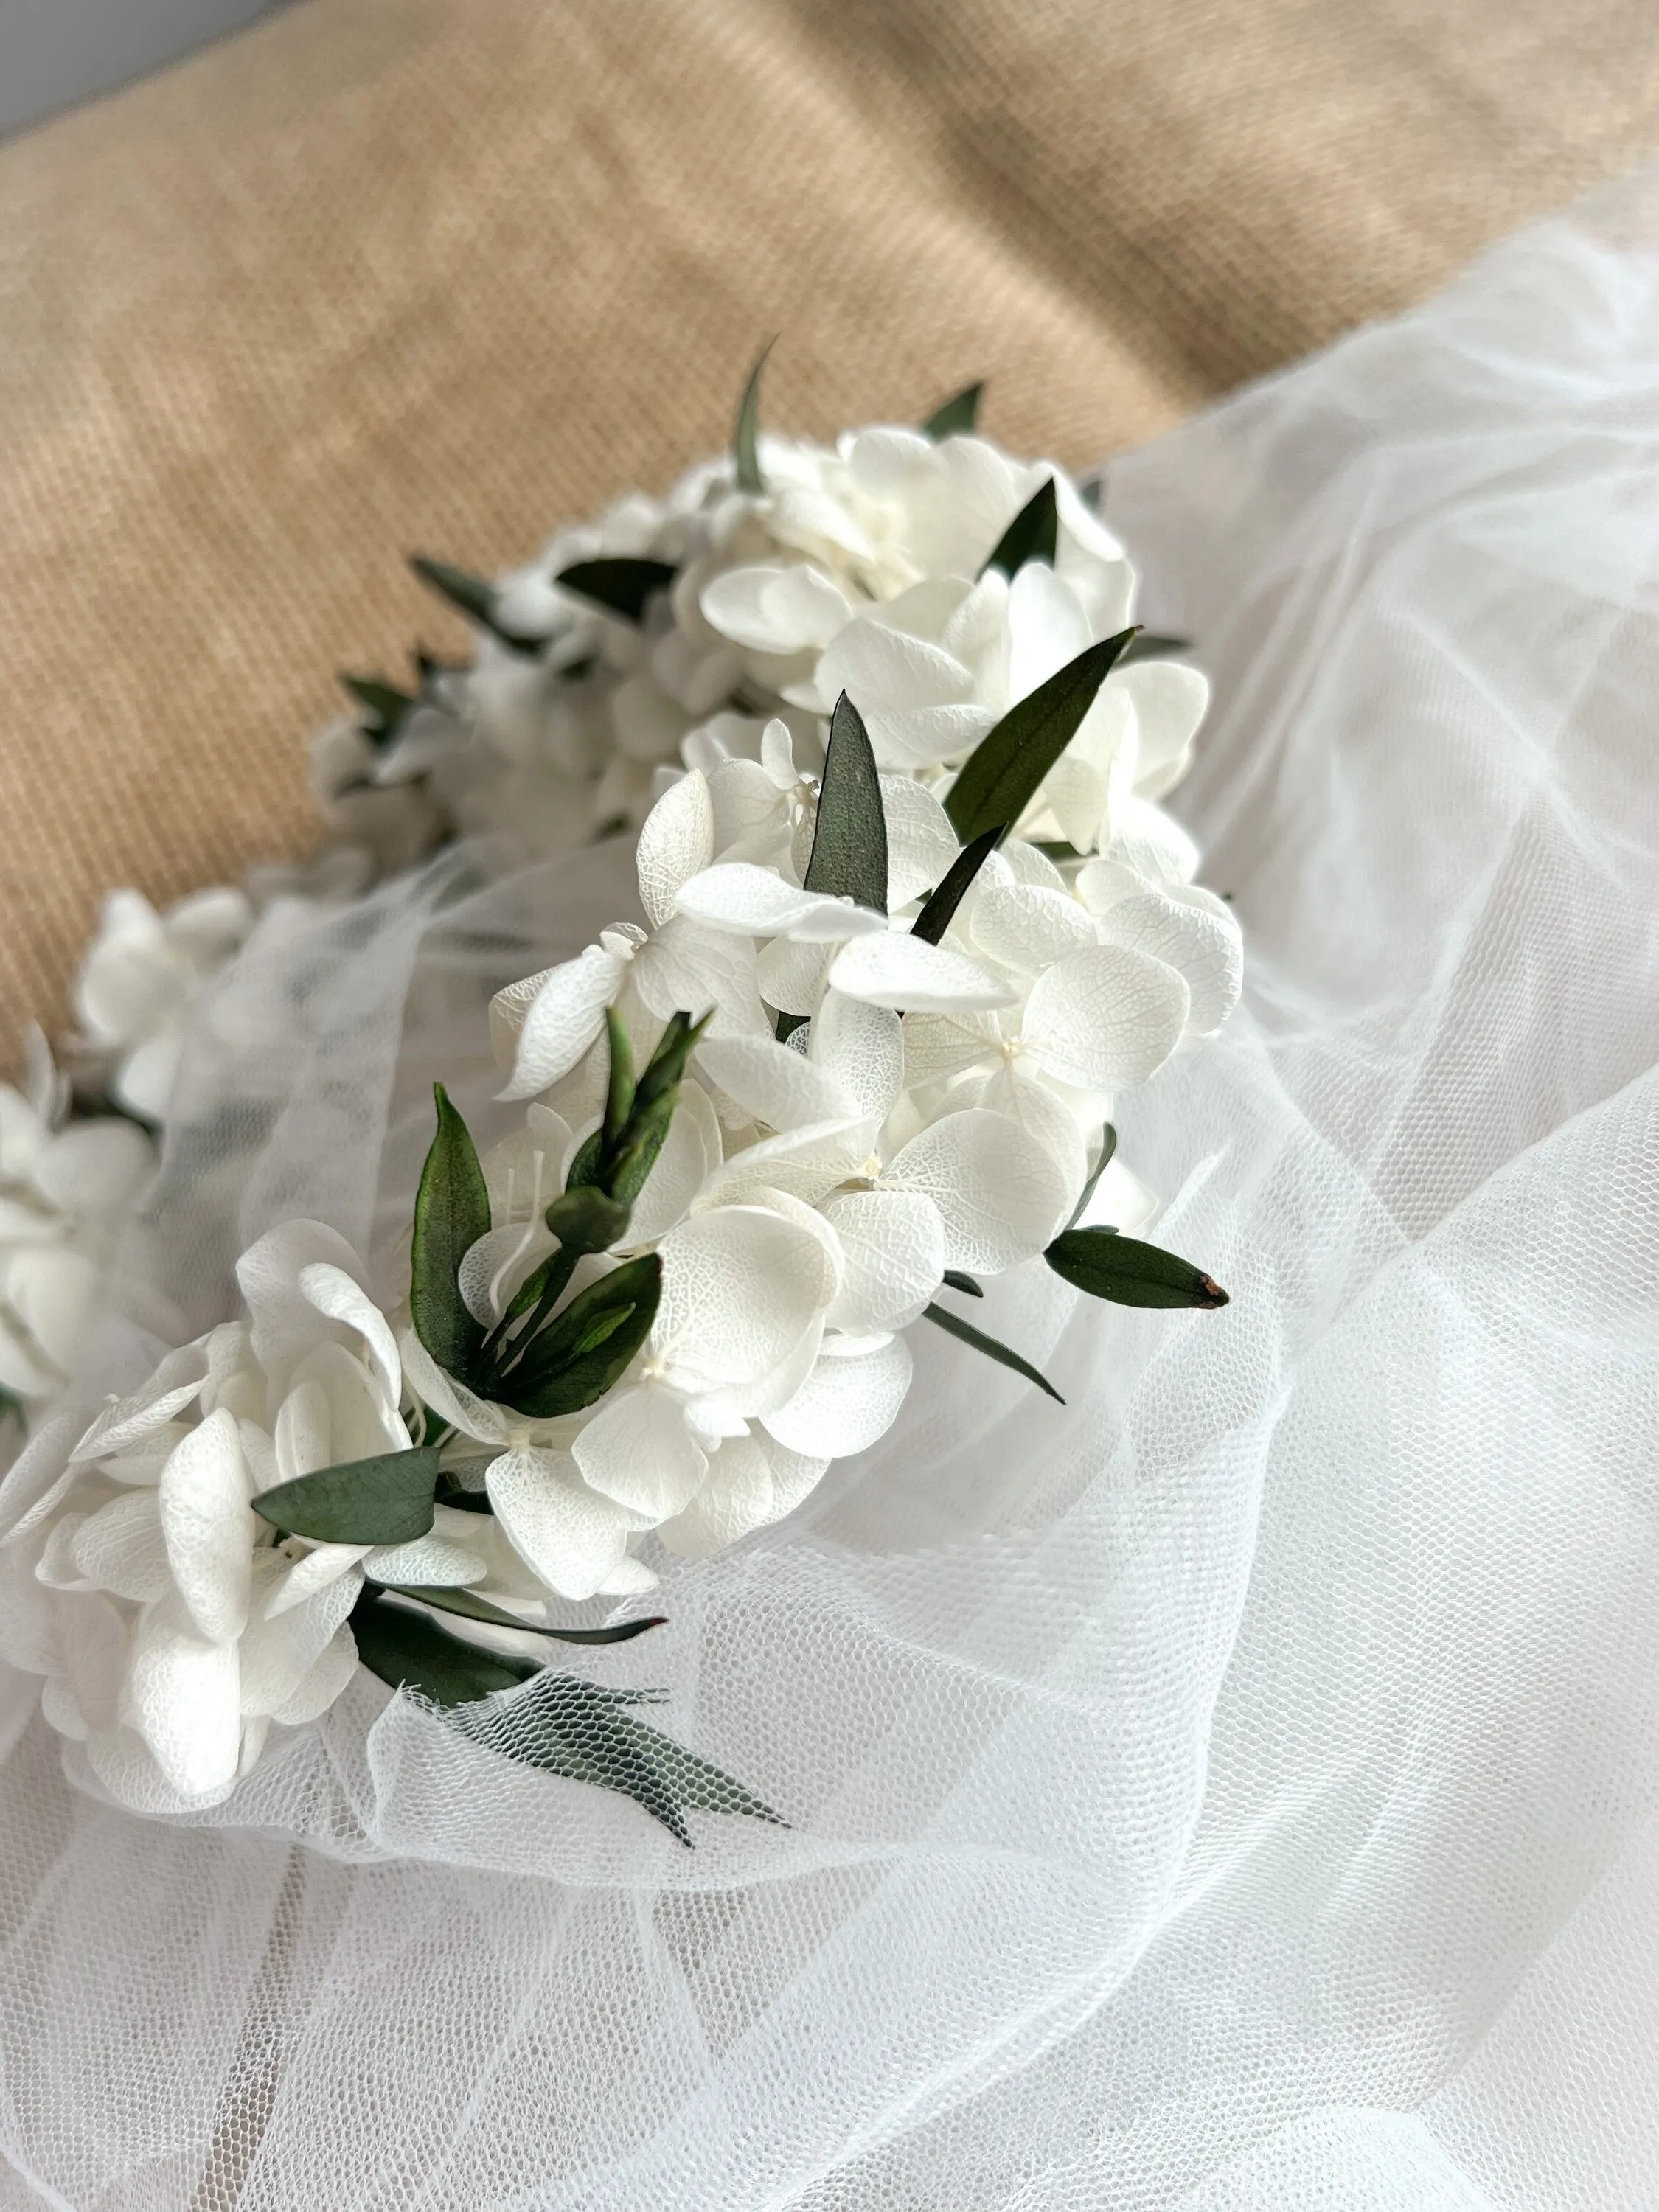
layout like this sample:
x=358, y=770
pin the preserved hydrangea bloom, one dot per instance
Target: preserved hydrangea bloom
x=142, y=977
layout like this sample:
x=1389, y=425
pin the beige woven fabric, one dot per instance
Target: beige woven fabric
x=385, y=274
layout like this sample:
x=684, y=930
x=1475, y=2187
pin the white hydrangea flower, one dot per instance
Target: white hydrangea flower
x=140, y=979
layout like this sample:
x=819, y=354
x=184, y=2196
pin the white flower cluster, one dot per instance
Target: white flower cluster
x=865, y=1107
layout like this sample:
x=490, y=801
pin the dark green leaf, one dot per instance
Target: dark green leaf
x=958, y=1281
x=585, y=1168
x=956, y=417
x=1004, y=771
x=409, y=1650
x=471, y=1606
x=1033, y=535
x=666, y=1065
x=1107, y=1146
x=989, y=1345
x=935, y=916
x=1146, y=647
x=619, y=1085
x=1129, y=1272
x=620, y=583
x=786, y=1025
x=646, y=1133
x=849, y=845
x=476, y=598
x=584, y=1350
x=384, y=1500
x=452, y=1212
x=586, y=1220
x=385, y=707
x=745, y=435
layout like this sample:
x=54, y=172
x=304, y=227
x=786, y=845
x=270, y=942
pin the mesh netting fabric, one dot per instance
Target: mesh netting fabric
x=1235, y=1789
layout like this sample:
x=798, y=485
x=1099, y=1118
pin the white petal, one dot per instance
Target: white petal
x=736, y=1496
x=322, y=1567
x=94, y=1645
x=862, y=1048
x=894, y=1246
x=1170, y=701
x=851, y=1398
x=1046, y=627
x=773, y=1084
x=1013, y=1088
x=758, y=902
x=121, y=1548
x=183, y=1695
x=55, y=1295
x=741, y=1285
x=677, y=842
x=881, y=669
x=175, y=1383
x=1105, y=1018
x=563, y=1019
x=921, y=843
x=280, y=1648
x=1153, y=843
x=790, y=976
x=94, y=1167
x=328, y=1676
x=899, y=970
x=777, y=608
x=565, y=1533
x=1204, y=946
x=208, y=1526
x=1027, y=929
x=339, y=1296
x=1000, y=1194
x=747, y=808
x=636, y=1449
x=937, y=1046
x=806, y=1163
x=433, y=1559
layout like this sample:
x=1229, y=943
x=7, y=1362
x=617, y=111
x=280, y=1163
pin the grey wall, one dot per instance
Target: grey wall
x=54, y=51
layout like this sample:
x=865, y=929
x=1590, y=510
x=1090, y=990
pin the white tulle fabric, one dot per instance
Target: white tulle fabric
x=1235, y=1791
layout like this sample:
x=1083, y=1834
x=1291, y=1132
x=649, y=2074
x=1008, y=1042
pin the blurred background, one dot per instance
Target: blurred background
x=356, y=277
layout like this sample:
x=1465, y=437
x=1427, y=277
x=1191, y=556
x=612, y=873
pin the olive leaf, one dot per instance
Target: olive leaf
x=452, y=1212
x=619, y=582
x=384, y=1500
x=941, y=904
x=958, y=1281
x=1129, y=1272
x=1033, y=535
x=1002, y=774
x=385, y=707
x=954, y=1324
x=583, y=1351
x=411, y=1651
x=471, y=1606
x=957, y=416
x=1149, y=646
x=745, y=433
x=473, y=596
x=850, y=844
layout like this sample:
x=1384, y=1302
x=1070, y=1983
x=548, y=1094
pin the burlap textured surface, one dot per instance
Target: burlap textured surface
x=397, y=273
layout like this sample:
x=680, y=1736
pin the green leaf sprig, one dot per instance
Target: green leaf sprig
x=1033, y=535
x=746, y=432
x=474, y=596
x=1001, y=775
x=957, y=416
x=620, y=583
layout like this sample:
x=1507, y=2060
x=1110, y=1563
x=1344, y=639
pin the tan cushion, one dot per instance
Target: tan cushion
x=388, y=274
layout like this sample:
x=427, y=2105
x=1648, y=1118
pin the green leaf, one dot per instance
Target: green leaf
x=584, y=1350
x=1033, y=535
x=1107, y=1146
x=1129, y=1272
x=385, y=707
x=675, y=1046
x=619, y=582
x=954, y=1325
x=1002, y=774
x=935, y=916
x=471, y=1606
x=384, y=1500
x=619, y=1085
x=745, y=435
x=452, y=1212
x=476, y=598
x=849, y=845
x=1147, y=647
x=958, y=1281
x=957, y=416
x=411, y=1651
x=586, y=1219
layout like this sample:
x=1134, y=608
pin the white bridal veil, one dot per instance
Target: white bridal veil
x=1233, y=1792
